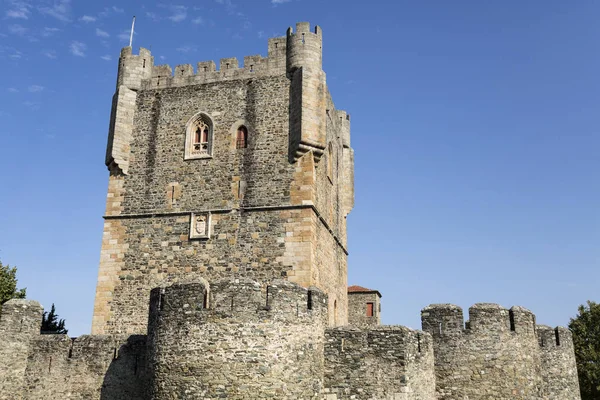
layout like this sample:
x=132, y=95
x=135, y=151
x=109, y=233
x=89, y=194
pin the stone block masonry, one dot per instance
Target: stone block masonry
x=223, y=269
x=237, y=339
x=497, y=355
x=385, y=362
x=275, y=205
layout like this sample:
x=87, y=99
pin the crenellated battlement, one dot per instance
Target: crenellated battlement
x=484, y=318
x=22, y=317
x=554, y=338
x=237, y=298
x=499, y=351
x=199, y=332
x=305, y=48
x=139, y=71
x=404, y=355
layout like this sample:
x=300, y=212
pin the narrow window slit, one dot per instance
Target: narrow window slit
x=557, y=336
x=161, y=302
x=268, y=299
x=511, y=316
x=309, y=301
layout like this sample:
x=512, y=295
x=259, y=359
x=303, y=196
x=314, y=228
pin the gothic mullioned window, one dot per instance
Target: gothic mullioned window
x=199, y=137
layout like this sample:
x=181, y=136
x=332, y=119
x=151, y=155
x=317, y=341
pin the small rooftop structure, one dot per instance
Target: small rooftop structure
x=361, y=289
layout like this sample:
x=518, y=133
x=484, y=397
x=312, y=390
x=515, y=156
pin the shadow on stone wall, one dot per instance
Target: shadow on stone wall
x=126, y=377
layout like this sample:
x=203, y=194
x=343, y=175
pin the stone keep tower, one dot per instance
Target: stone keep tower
x=236, y=172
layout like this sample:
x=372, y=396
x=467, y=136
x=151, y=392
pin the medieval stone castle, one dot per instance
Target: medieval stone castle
x=223, y=271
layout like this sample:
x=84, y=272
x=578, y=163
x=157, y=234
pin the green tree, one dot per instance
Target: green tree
x=586, y=339
x=8, y=284
x=51, y=324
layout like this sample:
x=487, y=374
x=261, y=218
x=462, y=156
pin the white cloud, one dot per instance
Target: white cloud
x=32, y=104
x=228, y=5
x=279, y=1
x=87, y=18
x=13, y=90
x=50, y=54
x=124, y=36
x=185, y=49
x=49, y=31
x=18, y=9
x=117, y=9
x=17, y=29
x=101, y=33
x=179, y=13
x=78, y=48
x=60, y=10
x=106, y=58
x=16, y=14
x=153, y=16
x=16, y=55
x=198, y=21
x=35, y=88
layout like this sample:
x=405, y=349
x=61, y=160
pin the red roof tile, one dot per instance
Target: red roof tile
x=356, y=288
x=360, y=289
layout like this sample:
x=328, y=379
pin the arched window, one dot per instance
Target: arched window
x=241, y=139
x=199, y=134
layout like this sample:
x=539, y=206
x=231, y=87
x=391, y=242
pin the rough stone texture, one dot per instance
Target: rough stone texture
x=88, y=367
x=495, y=356
x=559, y=371
x=276, y=214
x=238, y=340
x=20, y=321
x=391, y=362
x=275, y=258
x=357, y=308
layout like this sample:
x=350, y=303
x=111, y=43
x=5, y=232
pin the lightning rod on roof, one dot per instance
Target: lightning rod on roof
x=131, y=36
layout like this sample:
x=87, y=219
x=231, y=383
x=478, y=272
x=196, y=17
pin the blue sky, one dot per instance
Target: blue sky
x=475, y=127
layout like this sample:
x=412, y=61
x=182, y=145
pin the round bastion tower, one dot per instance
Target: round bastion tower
x=236, y=339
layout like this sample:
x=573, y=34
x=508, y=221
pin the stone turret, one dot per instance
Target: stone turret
x=237, y=339
x=496, y=355
x=308, y=103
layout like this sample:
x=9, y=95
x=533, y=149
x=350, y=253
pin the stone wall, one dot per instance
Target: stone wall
x=237, y=339
x=357, y=309
x=274, y=214
x=559, y=370
x=38, y=366
x=87, y=367
x=495, y=355
x=386, y=362
x=20, y=322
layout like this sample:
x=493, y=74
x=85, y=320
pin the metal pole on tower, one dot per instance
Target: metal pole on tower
x=131, y=36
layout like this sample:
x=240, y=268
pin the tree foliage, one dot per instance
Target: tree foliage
x=8, y=284
x=51, y=324
x=586, y=339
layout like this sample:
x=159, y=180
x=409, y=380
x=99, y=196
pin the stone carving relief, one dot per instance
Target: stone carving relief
x=200, y=226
